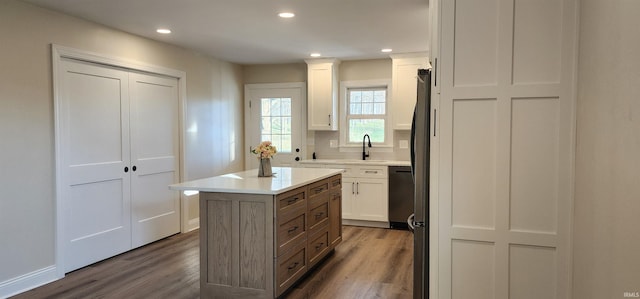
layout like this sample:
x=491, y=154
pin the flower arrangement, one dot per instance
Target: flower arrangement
x=265, y=150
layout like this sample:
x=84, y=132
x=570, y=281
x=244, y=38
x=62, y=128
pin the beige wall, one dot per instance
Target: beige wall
x=607, y=191
x=275, y=73
x=27, y=165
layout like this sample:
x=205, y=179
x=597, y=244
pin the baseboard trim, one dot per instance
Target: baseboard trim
x=192, y=225
x=379, y=224
x=28, y=281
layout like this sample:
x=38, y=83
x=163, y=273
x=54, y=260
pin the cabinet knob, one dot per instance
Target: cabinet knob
x=297, y=158
x=134, y=168
x=126, y=169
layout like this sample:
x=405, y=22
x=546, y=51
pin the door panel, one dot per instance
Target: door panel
x=154, y=154
x=94, y=102
x=505, y=125
x=371, y=203
x=275, y=114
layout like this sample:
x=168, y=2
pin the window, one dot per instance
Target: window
x=366, y=114
x=275, y=122
x=365, y=109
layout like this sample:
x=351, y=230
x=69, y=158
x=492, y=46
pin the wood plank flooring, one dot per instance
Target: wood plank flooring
x=369, y=263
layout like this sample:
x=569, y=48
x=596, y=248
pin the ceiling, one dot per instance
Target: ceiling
x=250, y=31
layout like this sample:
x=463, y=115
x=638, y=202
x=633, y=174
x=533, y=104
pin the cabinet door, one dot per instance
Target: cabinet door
x=155, y=210
x=371, y=199
x=322, y=101
x=404, y=90
x=348, y=198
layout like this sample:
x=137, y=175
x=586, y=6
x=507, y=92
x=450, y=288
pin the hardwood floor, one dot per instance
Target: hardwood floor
x=369, y=263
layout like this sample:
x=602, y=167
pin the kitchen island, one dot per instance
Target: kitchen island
x=259, y=235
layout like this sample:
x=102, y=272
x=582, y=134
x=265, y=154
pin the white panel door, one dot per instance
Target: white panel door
x=274, y=112
x=506, y=149
x=155, y=209
x=93, y=113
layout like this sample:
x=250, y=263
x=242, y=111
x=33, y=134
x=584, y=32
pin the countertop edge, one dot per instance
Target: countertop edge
x=193, y=185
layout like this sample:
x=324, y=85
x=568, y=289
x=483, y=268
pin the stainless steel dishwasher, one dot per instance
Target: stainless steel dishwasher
x=401, y=190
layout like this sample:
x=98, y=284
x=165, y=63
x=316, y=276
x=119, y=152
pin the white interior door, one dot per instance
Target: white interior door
x=155, y=209
x=94, y=132
x=506, y=149
x=274, y=112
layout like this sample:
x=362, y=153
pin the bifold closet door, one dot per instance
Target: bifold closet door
x=93, y=115
x=154, y=154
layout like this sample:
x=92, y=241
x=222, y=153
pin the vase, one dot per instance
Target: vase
x=264, y=169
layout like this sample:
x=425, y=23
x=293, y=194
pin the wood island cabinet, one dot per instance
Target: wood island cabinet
x=259, y=245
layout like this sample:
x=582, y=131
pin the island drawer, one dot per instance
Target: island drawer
x=291, y=232
x=291, y=200
x=318, y=247
x=335, y=182
x=319, y=188
x=318, y=215
x=290, y=267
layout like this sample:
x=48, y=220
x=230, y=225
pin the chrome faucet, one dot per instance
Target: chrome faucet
x=365, y=154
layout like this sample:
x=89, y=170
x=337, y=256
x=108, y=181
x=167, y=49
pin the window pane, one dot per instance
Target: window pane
x=265, y=125
x=286, y=107
x=373, y=127
x=276, y=125
x=379, y=96
x=275, y=107
x=367, y=96
x=355, y=96
x=356, y=109
x=266, y=106
x=378, y=108
x=367, y=108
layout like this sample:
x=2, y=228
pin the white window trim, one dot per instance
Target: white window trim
x=344, y=87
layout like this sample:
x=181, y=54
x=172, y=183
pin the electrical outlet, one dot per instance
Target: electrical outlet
x=404, y=144
x=333, y=143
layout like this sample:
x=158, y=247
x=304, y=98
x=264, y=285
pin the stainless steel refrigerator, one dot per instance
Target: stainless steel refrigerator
x=419, y=221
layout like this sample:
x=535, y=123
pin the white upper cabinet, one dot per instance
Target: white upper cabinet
x=404, y=91
x=322, y=96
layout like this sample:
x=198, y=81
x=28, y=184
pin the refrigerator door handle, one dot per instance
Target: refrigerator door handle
x=410, y=222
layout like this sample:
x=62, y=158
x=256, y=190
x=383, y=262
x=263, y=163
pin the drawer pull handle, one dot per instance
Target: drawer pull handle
x=291, y=201
x=371, y=171
x=319, y=215
x=319, y=245
x=318, y=190
x=292, y=266
x=292, y=229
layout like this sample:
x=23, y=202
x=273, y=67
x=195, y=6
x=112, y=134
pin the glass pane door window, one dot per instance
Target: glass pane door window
x=275, y=123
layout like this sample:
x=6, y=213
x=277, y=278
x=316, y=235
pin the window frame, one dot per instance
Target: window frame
x=345, y=86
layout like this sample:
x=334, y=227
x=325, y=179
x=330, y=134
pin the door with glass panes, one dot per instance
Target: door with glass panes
x=274, y=112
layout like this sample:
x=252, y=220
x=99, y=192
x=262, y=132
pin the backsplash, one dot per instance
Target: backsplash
x=324, y=151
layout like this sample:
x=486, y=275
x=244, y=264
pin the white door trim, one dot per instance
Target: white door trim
x=292, y=85
x=58, y=53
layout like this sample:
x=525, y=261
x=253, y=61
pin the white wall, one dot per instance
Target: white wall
x=27, y=165
x=607, y=191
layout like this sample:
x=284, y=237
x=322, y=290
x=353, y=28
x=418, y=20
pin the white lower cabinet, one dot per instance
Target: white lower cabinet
x=365, y=199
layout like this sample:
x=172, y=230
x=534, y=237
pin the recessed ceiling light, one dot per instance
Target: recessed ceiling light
x=163, y=31
x=386, y=50
x=315, y=55
x=286, y=15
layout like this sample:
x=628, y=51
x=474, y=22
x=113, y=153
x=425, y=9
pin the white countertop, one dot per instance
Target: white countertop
x=358, y=162
x=283, y=179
